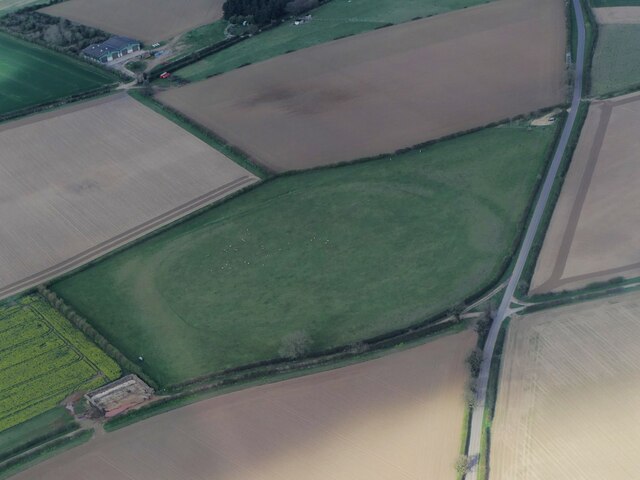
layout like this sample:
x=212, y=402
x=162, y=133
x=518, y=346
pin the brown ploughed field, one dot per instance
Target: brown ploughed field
x=568, y=394
x=388, y=89
x=147, y=20
x=593, y=234
x=395, y=418
x=78, y=182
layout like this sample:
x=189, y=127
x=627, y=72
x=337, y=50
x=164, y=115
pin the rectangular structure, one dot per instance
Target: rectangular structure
x=111, y=49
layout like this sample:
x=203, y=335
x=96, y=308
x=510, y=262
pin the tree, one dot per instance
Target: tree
x=297, y=7
x=456, y=312
x=482, y=327
x=463, y=464
x=470, y=393
x=294, y=345
x=474, y=360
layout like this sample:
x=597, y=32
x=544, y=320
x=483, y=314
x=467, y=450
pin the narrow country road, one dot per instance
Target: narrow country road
x=475, y=433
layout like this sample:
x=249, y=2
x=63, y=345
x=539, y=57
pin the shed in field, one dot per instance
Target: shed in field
x=109, y=50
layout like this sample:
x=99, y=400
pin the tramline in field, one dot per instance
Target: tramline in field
x=43, y=359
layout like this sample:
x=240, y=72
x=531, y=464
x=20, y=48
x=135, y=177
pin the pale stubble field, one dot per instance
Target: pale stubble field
x=569, y=393
x=78, y=182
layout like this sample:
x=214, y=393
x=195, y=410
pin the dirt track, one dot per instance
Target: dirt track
x=388, y=89
x=147, y=20
x=395, y=418
x=568, y=396
x=64, y=202
x=592, y=235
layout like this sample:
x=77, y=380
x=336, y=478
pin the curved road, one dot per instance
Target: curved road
x=504, y=311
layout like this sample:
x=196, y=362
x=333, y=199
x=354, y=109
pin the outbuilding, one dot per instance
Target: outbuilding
x=111, y=49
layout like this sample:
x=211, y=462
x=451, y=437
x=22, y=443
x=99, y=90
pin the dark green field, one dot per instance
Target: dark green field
x=341, y=254
x=335, y=19
x=30, y=75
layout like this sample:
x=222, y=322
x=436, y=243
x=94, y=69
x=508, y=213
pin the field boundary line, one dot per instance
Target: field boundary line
x=121, y=239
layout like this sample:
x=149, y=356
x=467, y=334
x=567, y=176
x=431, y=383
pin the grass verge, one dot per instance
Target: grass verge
x=36, y=431
x=490, y=404
x=55, y=447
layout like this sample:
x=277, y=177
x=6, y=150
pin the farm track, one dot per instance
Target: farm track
x=124, y=238
x=477, y=419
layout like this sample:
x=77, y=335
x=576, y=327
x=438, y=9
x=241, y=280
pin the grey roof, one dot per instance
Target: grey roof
x=113, y=44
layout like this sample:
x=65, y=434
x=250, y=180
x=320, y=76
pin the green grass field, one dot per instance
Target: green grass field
x=342, y=254
x=336, y=19
x=202, y=37
x=47, y=425
x=43, y=359
x=30, y=75
x=616, y=62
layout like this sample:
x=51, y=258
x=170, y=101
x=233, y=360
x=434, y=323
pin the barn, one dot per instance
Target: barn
x=109, y=50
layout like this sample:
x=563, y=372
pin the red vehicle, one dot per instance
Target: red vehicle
x=165, y=75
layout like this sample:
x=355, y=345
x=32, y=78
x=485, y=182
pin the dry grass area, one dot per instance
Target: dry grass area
x=147, y=20
x=398, y=417
x=617, y=15
x=593, y=234
x=568, y=397
x=388, y=89
x=77, y=182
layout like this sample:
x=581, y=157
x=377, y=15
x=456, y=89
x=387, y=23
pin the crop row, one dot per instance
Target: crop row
x=37, y=366
x=27, y=329
x=96, y=356
x=31, y=349
x=13, y=318
x=56, y=384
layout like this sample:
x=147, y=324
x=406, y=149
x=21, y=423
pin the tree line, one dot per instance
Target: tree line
x=262, y=12
x=57, y=33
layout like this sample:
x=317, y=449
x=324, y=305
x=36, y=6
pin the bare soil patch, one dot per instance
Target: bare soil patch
x=388, y=89
x=147, y=20
x=398, y=417
x=617, y=15
x=568, y=397
x=593, y=234
x=80, y=181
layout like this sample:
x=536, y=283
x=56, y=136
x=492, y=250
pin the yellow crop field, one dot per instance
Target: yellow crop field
x=43, y=359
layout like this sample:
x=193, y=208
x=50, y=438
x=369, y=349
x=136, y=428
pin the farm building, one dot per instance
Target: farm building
x=109, y=50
